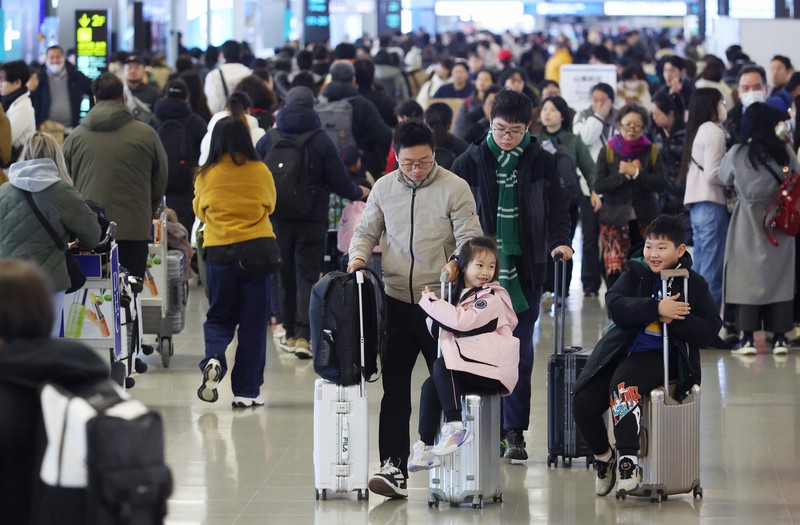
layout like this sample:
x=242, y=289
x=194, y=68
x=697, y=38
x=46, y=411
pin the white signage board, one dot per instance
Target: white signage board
x=577, y=81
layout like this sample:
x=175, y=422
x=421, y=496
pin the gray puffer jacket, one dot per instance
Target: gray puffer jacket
x=24, y=237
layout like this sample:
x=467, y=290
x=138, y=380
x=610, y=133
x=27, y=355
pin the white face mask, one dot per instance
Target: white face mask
x=55, y=69
x=751, y=97
x=631, y=85
x=723, y=113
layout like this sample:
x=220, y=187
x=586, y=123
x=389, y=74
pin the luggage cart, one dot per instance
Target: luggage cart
x=154, y=300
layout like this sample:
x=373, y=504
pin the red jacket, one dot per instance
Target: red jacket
x=476, y=335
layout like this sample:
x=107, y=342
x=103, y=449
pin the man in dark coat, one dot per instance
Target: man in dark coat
x=373, y=137
x=61, y=89
x=542, y=224
x=301, y=241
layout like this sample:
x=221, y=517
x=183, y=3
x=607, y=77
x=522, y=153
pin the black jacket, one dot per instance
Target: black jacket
x=383, y=103
x=194, y=128
x=63, y=362
x=372, y=135
x=327, y=171
x=78, y=85
x=632, y=308
x=543, y=202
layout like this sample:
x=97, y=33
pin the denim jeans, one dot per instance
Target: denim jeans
x=710, y=228
x=237, y=298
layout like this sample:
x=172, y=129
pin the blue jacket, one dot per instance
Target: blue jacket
x=327, y=170
x=780, y=99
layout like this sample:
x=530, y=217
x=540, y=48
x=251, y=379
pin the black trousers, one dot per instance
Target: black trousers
x=773, y=317
x=301, y=245
x=550, y=277
x=407, y=337
x=591, y=271
x=133, y=256
x=622, y=385
x=442, y=393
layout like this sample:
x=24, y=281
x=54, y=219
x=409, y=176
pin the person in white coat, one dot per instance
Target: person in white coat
x=16, y=101
x=237, y=105
x=221, y=82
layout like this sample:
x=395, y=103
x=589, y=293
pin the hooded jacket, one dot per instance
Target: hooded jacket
x=476, y=335
x=326, y=170
x=24, y=237
x=371, y=134
x=62, y=362
x=632, y=308
x=120, y=163
x=418, y=227
x=543, y=203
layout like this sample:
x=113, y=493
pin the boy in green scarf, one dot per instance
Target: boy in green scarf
x=522, y=201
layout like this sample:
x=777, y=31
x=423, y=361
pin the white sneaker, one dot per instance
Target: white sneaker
x=606, y=475
x=745, y=348
x=422, y=457
x=247, y=402
x=780, y=347
x=451, y=440
x=212, y=373
x=630, y=476
x=287, y=344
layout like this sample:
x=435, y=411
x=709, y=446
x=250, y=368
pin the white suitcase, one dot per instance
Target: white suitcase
x=341, y=432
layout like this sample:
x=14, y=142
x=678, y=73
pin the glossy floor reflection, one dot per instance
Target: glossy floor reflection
x=254, y=466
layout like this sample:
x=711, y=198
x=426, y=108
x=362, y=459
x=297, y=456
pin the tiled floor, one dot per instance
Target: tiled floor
x=254, y=466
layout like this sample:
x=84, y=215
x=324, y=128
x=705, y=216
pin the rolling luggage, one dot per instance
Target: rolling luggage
x=177, y=290
x=563, y=369
x=471, y=474
x=341, y=429
x=670, y=452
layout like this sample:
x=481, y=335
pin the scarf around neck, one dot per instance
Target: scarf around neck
x=628, y=150
x=9, y=99
x=507, y=230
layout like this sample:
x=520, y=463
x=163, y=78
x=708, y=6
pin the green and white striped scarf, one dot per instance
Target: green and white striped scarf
x=508, y=243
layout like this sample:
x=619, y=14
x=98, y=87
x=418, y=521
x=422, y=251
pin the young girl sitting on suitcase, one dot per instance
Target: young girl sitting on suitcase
x=478, y=351
x=627, y=362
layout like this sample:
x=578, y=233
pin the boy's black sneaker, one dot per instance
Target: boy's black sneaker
x=515, y=447
x=389, y=481
x=606, y=475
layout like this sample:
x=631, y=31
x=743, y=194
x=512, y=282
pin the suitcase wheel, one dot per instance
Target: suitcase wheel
x=166, y=350
x=659, y=497
x=478, y=504
x=129, y=382
x=147, y=349
x=433, y=503
x=140, y=366
x=552, y=461
x=363, y=494
x=588, y=463
x=316, y=493
x=497, y=499
x=697, y=492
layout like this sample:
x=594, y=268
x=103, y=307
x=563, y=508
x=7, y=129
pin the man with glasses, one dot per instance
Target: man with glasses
x=421, y=214
x=522, y=201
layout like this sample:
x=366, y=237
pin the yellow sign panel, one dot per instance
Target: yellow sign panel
x=84, y=34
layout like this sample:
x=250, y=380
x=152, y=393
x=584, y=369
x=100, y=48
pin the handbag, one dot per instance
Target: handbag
x=783, y=213
x=260, y=256
x=76, y=277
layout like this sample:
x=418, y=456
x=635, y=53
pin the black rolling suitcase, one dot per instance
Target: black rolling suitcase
x=563, y=368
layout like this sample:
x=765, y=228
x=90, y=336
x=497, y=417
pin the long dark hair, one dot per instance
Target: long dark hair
x=702, y=109
x=439, y=117
x=796, y=133
x=197, y=97
x=763, y=144
x=231, y=136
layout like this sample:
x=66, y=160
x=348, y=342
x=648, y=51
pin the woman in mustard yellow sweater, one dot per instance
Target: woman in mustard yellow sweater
x=234, y=196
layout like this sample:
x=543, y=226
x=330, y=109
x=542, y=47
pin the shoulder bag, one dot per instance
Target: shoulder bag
x=783, y=213
x=76, y=277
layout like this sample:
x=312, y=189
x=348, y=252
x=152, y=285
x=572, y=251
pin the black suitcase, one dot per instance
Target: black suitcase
x=563, y=368
x=332, y=257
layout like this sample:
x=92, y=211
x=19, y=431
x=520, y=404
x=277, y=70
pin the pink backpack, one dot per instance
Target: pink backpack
x=351, y=216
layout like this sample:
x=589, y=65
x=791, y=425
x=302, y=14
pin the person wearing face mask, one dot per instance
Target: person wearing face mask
x=633, y=88
x=752, y=83
x=61, y=90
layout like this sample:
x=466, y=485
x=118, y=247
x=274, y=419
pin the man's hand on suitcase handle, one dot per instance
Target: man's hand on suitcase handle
x=355, y=263
x=562, y=252
x=670, y=309
x=451, y=269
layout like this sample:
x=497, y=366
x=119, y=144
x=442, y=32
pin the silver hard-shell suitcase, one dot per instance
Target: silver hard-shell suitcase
x=341, y=431
x=670, y=452
x=472, y=473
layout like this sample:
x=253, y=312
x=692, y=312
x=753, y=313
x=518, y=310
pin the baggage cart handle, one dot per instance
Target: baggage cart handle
x=666, y=275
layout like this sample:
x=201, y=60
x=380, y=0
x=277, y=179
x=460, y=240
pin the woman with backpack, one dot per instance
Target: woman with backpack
x=556, y=136
x=234, y=197
x=759, y=276
x=628, y=176
x=181, y=131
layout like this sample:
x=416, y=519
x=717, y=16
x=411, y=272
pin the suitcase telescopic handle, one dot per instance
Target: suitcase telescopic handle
x=666, y=275
x=443, y=278
x=560, y=301
x=359, y=283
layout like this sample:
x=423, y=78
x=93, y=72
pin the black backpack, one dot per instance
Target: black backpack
x=289, y=163
x=335, y=327
x=568, y=172
x=172, y=134
x=107, y=465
